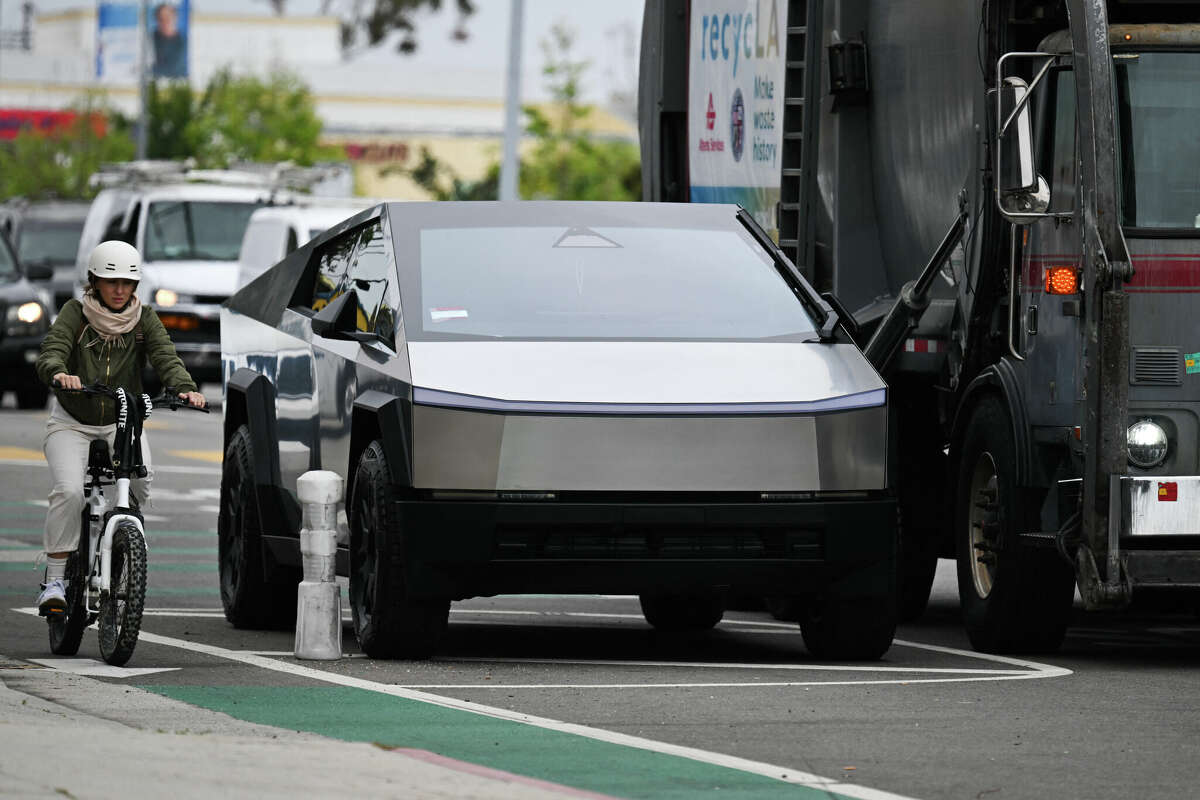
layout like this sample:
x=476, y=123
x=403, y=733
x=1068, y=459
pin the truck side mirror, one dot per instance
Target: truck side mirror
x=1021, y=190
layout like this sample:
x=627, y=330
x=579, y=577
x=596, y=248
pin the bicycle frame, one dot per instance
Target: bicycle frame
x=127, y=462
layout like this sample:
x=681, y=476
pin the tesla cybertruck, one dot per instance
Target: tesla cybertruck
x=619, y=398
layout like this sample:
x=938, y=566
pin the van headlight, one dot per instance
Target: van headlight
x=1147, y=444
x=26, y=319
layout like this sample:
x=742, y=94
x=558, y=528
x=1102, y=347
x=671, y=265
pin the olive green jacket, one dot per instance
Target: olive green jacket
x=73, y=347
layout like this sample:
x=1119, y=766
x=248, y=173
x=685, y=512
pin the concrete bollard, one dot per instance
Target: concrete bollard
x=318, y=598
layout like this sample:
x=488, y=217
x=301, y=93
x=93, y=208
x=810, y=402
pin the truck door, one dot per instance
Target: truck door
x=1046, y=328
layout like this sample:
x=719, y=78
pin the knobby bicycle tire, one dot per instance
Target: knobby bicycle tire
x=121, y=610
x=66, y=630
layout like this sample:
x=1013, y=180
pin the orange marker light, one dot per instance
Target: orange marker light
x=1062, y=280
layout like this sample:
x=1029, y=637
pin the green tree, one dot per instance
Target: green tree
x=236, y=118
x=568, y=162
x=375, y=19
x=58, y=163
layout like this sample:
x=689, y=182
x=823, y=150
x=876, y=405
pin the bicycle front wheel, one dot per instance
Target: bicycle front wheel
x=121, y=610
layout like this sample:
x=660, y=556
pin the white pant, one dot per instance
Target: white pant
x=66, y=448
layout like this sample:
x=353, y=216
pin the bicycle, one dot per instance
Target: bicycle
x=112, y=541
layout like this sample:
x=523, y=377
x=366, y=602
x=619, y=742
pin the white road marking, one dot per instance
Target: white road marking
x=784, y=774
x=18, y=556
x=98, y=669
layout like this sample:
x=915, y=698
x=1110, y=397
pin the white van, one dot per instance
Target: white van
x=275, y=231
x=189, y=235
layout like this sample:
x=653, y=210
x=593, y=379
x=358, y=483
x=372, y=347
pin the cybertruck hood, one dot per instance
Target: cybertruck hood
x=796, y=377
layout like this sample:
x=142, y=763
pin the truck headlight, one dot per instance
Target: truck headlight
x=26, y=319
x=1147, y=444
x=165, y=298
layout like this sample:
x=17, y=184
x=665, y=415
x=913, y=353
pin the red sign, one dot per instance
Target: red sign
x=15, y=120
x=1168, y=492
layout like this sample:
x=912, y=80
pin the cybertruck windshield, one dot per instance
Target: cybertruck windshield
x=1159, y=119
x=599, y=282
x=196, y=231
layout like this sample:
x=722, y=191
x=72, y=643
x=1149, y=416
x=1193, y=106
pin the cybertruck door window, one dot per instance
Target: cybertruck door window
x=332, y=262
x=371, y=279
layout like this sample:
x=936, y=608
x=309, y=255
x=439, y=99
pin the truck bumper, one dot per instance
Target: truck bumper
x=18, y=354
x=462, y=549
x=1160, y=530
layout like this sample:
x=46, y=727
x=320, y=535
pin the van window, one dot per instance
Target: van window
x=194, y=230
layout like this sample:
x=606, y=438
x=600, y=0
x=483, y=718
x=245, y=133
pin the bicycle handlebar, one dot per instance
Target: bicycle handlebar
x=168, y=399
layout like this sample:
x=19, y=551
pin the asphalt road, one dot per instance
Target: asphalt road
x=580, y=695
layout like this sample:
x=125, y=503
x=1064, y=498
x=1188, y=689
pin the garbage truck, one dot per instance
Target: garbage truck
x=1005, y=196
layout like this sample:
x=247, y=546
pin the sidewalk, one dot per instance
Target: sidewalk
x=96, y=739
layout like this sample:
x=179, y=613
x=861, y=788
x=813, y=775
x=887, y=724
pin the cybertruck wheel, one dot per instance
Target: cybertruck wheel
x=849, y=628
x=388, y=623
x=1014, y=599
x=250, y=601
x=683, y=612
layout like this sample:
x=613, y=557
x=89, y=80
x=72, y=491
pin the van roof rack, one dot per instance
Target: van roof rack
x=282, y=176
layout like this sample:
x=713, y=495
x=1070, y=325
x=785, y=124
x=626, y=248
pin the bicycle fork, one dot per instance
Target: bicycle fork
x=100, y=581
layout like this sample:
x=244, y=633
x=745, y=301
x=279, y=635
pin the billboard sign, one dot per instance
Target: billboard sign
x=117, y=41
x=735, y=104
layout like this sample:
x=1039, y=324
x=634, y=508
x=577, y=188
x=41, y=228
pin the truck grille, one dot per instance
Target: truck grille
x=595, y=542
x=1156, y=366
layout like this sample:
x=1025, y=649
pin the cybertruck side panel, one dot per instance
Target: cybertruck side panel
x=480, y=450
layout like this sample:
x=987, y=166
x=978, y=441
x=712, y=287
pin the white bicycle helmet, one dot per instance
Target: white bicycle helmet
x=115, y=259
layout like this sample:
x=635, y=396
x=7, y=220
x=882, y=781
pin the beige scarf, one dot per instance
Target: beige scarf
x=111, y=325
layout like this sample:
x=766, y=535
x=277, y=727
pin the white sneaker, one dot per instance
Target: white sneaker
x=53, y=599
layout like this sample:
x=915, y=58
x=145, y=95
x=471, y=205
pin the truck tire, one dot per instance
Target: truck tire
x=1014, y=599
x=683, y=612
x=250, y=601
x=849, y=628
x=388, y=623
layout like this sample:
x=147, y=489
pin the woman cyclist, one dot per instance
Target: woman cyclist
x=106, y=338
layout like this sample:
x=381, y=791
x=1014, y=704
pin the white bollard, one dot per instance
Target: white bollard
x=318, y=598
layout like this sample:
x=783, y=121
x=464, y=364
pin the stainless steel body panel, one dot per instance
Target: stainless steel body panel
x=473, y=450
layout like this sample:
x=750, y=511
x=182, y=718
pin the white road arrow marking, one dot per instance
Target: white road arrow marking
x=97, y=669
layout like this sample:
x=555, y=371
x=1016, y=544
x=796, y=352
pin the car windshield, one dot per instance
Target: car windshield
x=194, y=230
x=623, y=283
x=50, y=243
x=1159, y=111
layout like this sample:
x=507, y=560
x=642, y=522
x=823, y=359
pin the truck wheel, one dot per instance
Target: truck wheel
x=388, y=622
x=1014, y=598
x=33, y=396
x=849, y=628
x=683, y=612
x=249, y=600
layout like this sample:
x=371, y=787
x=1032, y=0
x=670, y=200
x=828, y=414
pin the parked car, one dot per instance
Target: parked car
x=275, y=231
x=26, y=320
x=556, y=397
x=46, y=233
x=189, y=235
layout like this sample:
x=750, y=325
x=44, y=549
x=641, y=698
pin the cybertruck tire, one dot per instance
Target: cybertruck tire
x=389, y=622
x=249, y=599
x=683, y=612
x=837, y=628
x=1014, y=598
